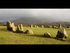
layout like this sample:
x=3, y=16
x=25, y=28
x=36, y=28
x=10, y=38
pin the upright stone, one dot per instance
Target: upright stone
x=37, y=26
x=61, y=33
x=21, y=28
x=42, y=26
x=9, y=26
x=29, y=32
x=31, y=26
x=47, y=35
x=18, y=29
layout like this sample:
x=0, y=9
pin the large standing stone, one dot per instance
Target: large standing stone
x=18, y=29
x=14, y=28
x=60, y=26
x=10, y=26
x=61, y=33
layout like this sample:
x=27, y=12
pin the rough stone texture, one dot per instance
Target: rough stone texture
x=10, y=26
x=47, y=34
x=61, y=33
x=18, y=29
x=31, y=26
x=29, y=32
x=14, y=28
x=21, y=28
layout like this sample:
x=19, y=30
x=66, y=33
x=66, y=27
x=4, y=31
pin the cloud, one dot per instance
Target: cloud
x=58, y=14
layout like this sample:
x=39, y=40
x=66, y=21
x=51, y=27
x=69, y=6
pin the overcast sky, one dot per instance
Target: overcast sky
x=59, y=14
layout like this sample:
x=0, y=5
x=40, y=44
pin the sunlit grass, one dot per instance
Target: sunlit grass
x=7, y=37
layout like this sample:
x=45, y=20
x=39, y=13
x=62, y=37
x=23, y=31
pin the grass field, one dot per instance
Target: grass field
x=7, y=37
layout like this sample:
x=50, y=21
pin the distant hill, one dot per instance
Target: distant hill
x=65, y=24
x=40, y=21
x=31, y=20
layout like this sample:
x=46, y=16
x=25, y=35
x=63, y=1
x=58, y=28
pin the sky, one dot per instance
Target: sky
x=57, y=14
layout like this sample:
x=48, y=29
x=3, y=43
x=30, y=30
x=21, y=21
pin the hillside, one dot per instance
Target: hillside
x=44, y=21
x=32, y=20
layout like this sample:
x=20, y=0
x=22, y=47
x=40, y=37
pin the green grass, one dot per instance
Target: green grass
x=7, y=37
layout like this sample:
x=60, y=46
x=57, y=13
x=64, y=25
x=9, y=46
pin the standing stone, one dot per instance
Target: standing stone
x=54, y=26
x=29, y=32
x=50, y=26
x=47, y=35
x=37, y=26
x=18, y=29
x=61, y=33
x=21, y=28
x=9, y=27
x=13, y=27
x=31, y=26
x=42, y=26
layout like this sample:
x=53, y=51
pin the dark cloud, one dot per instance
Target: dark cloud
x=57, y=14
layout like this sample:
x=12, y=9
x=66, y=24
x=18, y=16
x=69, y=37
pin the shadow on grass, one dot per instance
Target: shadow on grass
x=41, y=35
x=3, y=29
x=65, y=40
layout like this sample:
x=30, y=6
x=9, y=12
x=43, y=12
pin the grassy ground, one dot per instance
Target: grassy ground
x=7, y=37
